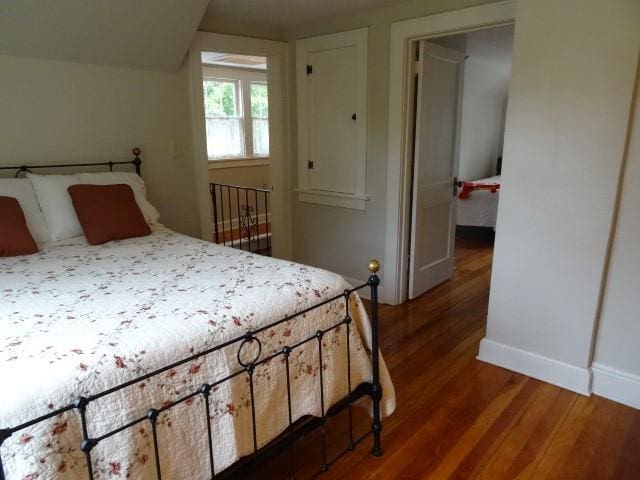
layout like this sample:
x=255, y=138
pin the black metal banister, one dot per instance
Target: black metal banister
x=250, y=228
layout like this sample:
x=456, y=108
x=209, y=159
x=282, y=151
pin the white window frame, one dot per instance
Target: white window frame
x=244, y=77
x=304, y=48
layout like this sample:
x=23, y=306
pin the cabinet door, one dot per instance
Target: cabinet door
x=332, y=106
x=331, y=84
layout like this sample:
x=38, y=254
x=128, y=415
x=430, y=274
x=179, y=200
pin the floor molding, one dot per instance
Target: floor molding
x=537, y=366
x=616, y=385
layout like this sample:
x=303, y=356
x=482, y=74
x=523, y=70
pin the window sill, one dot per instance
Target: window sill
x=238, y=162
x=334, y=199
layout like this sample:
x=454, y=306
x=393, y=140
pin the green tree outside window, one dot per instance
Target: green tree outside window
x=220, y=98
x=259, y=100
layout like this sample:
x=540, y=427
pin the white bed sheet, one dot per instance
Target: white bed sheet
x=77, y=319
x=480, y=209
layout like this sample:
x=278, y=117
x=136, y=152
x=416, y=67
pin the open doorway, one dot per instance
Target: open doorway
x=461, y=85
x=236, y=109
x=240, y=131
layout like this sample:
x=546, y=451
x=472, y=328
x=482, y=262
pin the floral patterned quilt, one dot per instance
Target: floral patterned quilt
x=76, y=320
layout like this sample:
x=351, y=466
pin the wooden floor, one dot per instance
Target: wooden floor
x=460, y=418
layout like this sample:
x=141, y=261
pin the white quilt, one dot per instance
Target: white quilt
x=76, y=319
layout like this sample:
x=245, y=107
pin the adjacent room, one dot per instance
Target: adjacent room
x=390, y=239
x=459, y=101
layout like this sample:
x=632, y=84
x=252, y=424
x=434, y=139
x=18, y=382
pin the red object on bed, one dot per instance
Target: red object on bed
x=108, y=212
x=468, y=187
x=15, y=237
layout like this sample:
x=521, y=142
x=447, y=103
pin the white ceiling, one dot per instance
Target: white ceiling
x=145, y=34
x=284, y=14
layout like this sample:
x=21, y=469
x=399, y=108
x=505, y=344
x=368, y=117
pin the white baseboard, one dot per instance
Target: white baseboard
x=616, y=385
x=537, y=366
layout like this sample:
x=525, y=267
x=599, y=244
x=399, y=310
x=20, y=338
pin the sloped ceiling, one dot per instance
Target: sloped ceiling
x=273, y=17
x=143, y=34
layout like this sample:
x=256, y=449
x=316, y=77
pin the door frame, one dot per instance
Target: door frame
x=279, y=167
x=404, y=37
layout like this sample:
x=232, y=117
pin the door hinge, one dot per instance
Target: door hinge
x=310, y=165
x=456, y=184
x=309, y=69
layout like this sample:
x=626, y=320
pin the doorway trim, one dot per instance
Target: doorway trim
x=399, y=138
x=277, y=74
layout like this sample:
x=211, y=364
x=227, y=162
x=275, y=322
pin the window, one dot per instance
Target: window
x=260, y=116
x=224, y=122
x=236, y=105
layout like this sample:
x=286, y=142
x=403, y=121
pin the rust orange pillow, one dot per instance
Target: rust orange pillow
x=108, y=212
x=15, y=237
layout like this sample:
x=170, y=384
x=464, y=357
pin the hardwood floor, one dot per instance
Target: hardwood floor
x=459, y=418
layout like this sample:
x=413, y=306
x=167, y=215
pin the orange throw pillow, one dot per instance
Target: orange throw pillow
x=15, y=237
x=108, y=212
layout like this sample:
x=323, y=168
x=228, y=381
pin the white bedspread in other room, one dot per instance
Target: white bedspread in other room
x=77, y=319
x=480, y=209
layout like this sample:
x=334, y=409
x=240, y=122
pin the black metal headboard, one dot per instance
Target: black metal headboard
x=136, y=162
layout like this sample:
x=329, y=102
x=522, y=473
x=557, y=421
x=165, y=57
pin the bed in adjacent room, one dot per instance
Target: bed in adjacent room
x=478, y=202
x=163, y=353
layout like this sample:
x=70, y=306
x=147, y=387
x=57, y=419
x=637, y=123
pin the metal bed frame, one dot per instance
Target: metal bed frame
x=136, y=162
x=296, y=428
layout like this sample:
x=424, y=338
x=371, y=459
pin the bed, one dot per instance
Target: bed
x=480, y=208
x=166, y=356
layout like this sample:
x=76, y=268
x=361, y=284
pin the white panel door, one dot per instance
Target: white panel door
x=439, y=100
x=332, y=125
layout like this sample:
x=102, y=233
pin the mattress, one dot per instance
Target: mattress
x=480, y=209
x=78, y=319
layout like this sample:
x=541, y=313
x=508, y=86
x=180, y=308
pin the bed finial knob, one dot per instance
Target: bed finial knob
x=136, y=151
x=374, y=266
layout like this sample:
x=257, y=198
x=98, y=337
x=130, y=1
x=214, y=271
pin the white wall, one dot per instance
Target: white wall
x=484, y=99
x=255, y=176
x=617, y=356
x=571, y=85
x=53, y=112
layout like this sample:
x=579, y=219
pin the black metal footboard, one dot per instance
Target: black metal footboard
x=296, y=427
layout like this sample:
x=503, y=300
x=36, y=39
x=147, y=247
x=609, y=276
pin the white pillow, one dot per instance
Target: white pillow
x=22, y=190
x=57, y=207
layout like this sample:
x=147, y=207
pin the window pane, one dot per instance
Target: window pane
x=224, y=137
x=260, y=115
x=259, y=100
x=260, y=137
x=220, y=98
